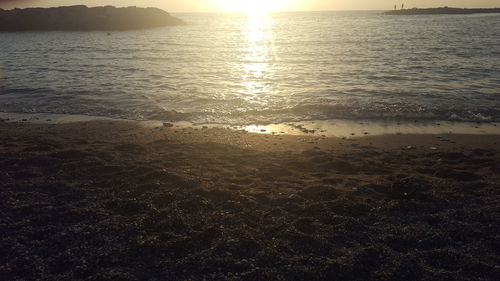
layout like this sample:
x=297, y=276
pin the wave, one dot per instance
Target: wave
x=386, y=112
x=235, y=111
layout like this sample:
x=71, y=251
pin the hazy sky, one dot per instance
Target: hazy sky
x=285, y=5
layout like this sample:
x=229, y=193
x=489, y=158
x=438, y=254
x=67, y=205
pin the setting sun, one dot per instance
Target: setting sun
x=238, y=140
x=254, y=6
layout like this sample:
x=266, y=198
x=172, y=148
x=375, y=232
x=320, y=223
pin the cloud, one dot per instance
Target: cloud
x=16, y=3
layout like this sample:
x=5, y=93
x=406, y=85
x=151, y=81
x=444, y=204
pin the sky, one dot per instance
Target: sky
x=240, y=5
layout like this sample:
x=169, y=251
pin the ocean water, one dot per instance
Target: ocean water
x=262, y=69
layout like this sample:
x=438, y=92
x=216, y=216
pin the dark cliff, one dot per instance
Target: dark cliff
x=443, y=11
x=82, y=18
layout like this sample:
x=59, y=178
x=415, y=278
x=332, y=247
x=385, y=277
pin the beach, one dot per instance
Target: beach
x=244, y=141
x=111, y=200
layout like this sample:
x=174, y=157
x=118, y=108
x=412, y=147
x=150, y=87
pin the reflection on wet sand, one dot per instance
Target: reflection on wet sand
x=356, y=128
x=317, y=128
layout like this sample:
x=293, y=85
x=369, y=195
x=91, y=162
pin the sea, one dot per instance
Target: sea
x=243, y=69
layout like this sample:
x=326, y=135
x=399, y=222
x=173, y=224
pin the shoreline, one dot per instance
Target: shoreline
x=340, y=128
x=148, y=132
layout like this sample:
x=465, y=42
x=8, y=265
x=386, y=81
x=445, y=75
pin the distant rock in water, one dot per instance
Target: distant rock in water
x=82, y=18
x=442, y=11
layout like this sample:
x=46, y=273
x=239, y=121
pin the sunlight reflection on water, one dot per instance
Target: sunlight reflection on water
x=256, y=64
x=243, y=69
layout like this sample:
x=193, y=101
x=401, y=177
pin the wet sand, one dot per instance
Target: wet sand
x=118, y=201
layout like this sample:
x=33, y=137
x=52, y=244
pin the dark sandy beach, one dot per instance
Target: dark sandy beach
x=117, y=201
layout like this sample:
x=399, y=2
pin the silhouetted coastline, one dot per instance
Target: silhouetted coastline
x=82, y=18
x=442, y=11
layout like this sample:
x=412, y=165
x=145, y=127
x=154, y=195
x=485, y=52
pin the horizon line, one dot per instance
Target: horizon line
x=242, y=12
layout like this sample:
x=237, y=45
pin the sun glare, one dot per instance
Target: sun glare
x=253, y=6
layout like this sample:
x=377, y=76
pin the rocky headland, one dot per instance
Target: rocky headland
x=443, y=11
x=83, y=18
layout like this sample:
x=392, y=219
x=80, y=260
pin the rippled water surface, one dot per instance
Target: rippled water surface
x=240, y=69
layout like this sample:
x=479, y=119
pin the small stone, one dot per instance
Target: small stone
x=168, y=125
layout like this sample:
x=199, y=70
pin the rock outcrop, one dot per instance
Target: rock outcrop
x=82, y=18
